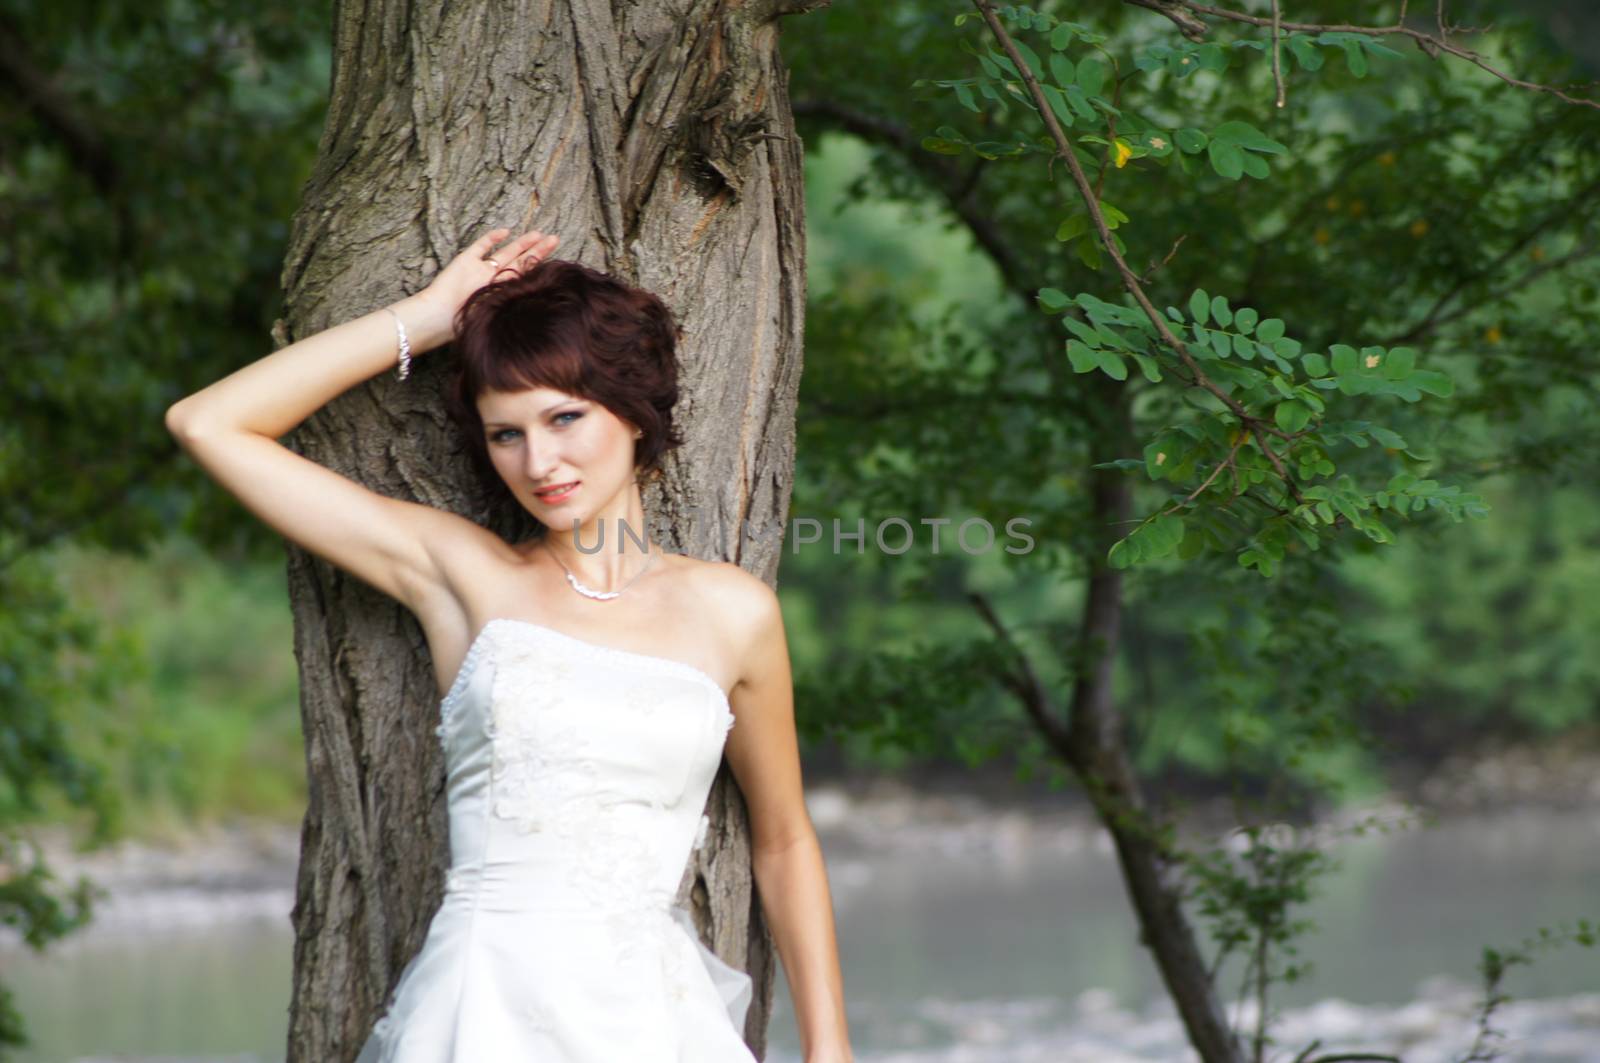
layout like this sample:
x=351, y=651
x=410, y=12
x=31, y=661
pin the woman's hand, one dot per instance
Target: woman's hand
x=472, y=268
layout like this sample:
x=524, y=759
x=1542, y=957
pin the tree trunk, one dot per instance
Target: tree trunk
x=1095, y=745
x=657, y=141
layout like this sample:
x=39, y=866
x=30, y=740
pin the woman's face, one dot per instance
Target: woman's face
x=541, y=438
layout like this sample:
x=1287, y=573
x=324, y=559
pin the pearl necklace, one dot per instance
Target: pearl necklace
x=590, y=592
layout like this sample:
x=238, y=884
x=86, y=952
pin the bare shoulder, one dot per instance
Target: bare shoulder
x=743, y=600
x=744, y=612
x=763, y=748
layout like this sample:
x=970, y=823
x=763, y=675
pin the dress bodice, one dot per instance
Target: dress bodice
x=581, y=769
x=576, y=782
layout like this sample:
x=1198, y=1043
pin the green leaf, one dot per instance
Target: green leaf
x=1377, y=48
x=1122, y=553
x=1244, y=319
x=1054, y=299
x=1088, y=252
x=1091, y=76
x=1061, y=36
x=1180, y=64
x=1158, y=537
x=1243, y=347
x=1255, y=166
x=1112, y=363
x=1307, y=53
x=1433, y=382
x=1344, y=358
x=1062, y=70
x=1221, y=343
x=964, y=94
x=1377, y=530
x=1270, y=330
x=1400, y=362
x=1080, y=102
x=1058, y=104
x=1354, y=58
x=1030, y=57
x=1246, y=135
x=1161, y=457
x=1220, y=311
x=1085, y=332
x=1200, y=307
x=1083, y=359
x=1072, y=226
x=1315, y=364
x=1148, y=366
x=1387, y=437
x=1192, y=140
x=1158, y=142
x=1110, y=337
x=1005, y=63
x=1291, y=416
x=1227, y=159
x=942, y=146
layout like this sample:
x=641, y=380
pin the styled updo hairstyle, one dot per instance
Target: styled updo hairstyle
x=563, y=325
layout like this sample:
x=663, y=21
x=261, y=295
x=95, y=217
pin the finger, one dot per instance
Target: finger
x=529, y=240
x=533, y=248
x=489, y=239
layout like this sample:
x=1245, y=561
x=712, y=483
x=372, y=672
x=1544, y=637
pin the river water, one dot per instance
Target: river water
x=966, y=934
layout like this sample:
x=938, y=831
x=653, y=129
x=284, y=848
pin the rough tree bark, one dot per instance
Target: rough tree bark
x=656, y=139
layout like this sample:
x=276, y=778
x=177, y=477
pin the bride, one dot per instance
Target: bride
x=565, y=391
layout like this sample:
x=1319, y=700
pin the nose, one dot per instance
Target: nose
x=540, y=464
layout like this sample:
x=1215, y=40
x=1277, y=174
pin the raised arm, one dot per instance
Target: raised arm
x=231, y=429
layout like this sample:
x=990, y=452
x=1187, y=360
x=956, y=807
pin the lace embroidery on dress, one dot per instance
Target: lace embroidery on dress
x=538, y=765
x=638, y=694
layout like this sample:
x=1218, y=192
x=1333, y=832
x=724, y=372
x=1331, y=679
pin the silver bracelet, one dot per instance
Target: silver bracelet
x=405, y=345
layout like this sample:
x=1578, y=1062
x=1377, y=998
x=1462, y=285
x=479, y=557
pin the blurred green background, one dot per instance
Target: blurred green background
x=152, y=155
x=150, y=159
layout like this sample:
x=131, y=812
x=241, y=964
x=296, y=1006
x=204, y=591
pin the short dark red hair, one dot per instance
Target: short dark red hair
x=563, y=325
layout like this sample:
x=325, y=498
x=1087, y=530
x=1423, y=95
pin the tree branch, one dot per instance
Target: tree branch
x=1178, y=11
x=766, y=10
x=1024, y=681
x=1258, y=428
x=957, y=186
x=1435, y=315
x=54, y=109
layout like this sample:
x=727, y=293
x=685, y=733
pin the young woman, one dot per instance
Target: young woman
x=588, y=695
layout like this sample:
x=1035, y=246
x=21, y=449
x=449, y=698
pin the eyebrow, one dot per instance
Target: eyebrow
x=542, y=413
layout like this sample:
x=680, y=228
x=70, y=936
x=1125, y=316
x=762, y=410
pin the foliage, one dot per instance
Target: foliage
x=149, y=161
x=1261, y=416
x=1396, y=204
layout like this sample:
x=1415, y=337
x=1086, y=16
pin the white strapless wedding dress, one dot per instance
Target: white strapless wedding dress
x=577, y=777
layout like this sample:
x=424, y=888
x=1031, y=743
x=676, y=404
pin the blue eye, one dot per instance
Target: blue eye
x=495, y=437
